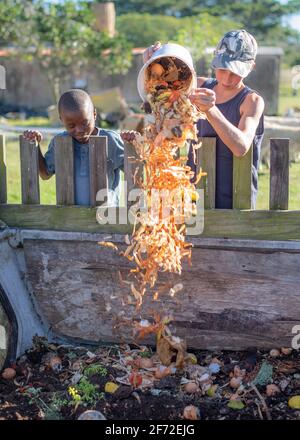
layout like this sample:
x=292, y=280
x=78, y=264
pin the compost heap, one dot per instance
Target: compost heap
x=158, y=240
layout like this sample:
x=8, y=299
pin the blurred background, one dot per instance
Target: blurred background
x=48, y=47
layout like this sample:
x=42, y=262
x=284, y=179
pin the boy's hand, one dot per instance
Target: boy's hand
x=203, y=99
x=128, y=136
x=150, y=51
x=33, y=135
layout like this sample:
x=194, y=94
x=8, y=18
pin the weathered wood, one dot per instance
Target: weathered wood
x=3, y=184
x=279, y=173
x=206, y=159
x=29, y=160
x=241, y=181
x=98, y=166
x=230, y=300
x=260, y=225
x=132, y=170
x=64, y=170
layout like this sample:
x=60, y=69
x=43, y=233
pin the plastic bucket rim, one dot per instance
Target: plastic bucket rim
x=140, y=78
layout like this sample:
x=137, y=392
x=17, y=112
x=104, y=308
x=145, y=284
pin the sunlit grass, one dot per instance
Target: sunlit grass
x=30, y=122
x=47, y=187
x=294, y=187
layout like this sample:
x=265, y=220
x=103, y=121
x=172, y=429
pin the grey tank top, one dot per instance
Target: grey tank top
x=224, y=156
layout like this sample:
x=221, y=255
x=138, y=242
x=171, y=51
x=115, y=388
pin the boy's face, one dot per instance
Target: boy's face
x=80, y=124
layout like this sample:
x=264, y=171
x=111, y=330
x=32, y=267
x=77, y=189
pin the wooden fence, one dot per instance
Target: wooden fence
x=241, y=221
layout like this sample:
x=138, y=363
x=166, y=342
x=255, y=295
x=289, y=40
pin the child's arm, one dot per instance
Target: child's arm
x=32, y=135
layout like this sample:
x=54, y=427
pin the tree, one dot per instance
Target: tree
x=141, y=30
x=157, y=7
x=202, y=31
x=12, y=12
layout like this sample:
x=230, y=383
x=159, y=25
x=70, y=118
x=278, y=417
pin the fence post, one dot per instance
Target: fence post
x=242, y=180
x=3, y=184
x=279, y=173
x=64, y=170
x=98, y=166
x=206, y=160
x=29, y=159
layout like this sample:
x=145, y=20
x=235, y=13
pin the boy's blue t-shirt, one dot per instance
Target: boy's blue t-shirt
x=115, y=162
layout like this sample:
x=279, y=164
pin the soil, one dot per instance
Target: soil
x=45, y=373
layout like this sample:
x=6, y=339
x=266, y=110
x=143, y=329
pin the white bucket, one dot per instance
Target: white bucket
x=167, y=50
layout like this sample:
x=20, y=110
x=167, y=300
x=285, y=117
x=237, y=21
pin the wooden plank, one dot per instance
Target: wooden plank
x=206, y=159
x=279, y=173
x=132, y=170
x=64, y=170
x=220, y=223
x=3, y=184
x=230, y=300
x=98, y=167
x=242, y=180
x=29, y=160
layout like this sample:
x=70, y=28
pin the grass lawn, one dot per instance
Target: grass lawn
x=286, y=98
x=294, y=188
x=287, y=102
x=47, y=187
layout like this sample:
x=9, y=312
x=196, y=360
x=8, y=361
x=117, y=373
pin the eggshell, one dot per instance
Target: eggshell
x=274, y=353
x=286, y=351
x=191, y=388
x=235, y=382
x=146, y=363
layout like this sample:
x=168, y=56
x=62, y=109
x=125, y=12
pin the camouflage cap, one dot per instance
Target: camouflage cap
x=236, y=52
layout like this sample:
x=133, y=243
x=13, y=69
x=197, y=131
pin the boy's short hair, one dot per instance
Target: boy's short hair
x=75, y=100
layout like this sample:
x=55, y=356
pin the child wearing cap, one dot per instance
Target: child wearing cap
x=78, y=116
x=234, y=112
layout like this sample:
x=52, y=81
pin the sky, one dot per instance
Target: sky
x=293, y=21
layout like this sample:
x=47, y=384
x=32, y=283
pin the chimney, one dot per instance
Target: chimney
x=105, y=14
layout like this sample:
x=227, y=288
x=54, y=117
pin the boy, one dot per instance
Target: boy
x=234, y=112
x=78, y=115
